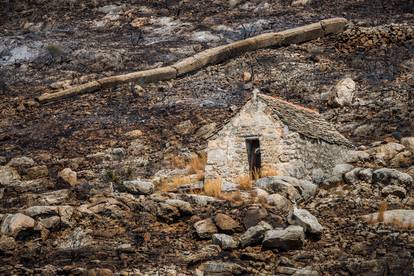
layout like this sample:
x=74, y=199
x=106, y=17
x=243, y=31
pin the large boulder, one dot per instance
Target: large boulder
x=305, y=219
x=205, y=228
x=225, y=241
x=254, y=234
x=139, y=187
x=13, y=224
x=386, y=176
x=8, y=175
x=343, y=93
x=290, y=238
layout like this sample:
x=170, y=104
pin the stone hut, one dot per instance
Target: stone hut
x=271, y=132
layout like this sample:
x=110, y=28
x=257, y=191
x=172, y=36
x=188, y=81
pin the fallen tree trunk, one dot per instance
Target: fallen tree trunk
x=208, y=57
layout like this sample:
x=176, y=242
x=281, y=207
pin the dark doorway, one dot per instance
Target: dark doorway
x=254, y=157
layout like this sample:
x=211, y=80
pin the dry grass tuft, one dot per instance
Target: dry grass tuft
x=175, y=182
x=268, y=171
x=212, y=187
x=197, y=163
x=177, y=162
x=382, y=208
x=245, y=182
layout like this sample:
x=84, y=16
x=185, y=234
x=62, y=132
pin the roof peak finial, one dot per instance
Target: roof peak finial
x=255, y=92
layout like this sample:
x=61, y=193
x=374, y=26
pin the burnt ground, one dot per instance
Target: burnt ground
x=70, y=42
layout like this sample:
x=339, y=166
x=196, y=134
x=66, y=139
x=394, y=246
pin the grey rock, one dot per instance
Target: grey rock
x=35, y=211
x=394, y=190
x=182, y=205
x=387, y=176
x=22, y=161
x=140, y=187
x=351, y=177
x=306, y=271
x=305, y=219
x=365, y=175
x=357, y=156
x=338, y=172
x=221, y=268
x=290, y=238
x=281, y=185
x=224, y=241
x=200, y=200
x=254, y=234
x=13, y=224
x=205, y=228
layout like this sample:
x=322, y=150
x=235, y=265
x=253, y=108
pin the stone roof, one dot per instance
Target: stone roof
x=306, y=122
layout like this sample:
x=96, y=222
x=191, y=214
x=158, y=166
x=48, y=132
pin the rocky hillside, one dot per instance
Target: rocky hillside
x=111, y=182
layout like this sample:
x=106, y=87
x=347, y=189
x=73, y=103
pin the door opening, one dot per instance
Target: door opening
x=254, y=157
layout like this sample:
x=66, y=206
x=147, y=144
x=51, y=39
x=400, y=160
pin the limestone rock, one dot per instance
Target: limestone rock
x=68, y=176
x=8, y=175
x=343, y=93
x=387, y=176
x=140, y=187
x=394, y=190
x=205, y=228
x=290, y=238
x=13, y=224
x=226, y=223
x=182, y=205
x=305, y=219
x=280, y=185
x=280, y=202
x=224, y=241
x=254, y=234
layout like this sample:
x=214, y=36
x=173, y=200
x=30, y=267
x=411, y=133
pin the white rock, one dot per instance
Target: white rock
x=224, y=241
x=182, y=205
x=301, y=2
x=399, y=218
x=343, y=93
x=305, y=219
x=140, y=187
x=205, y=36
